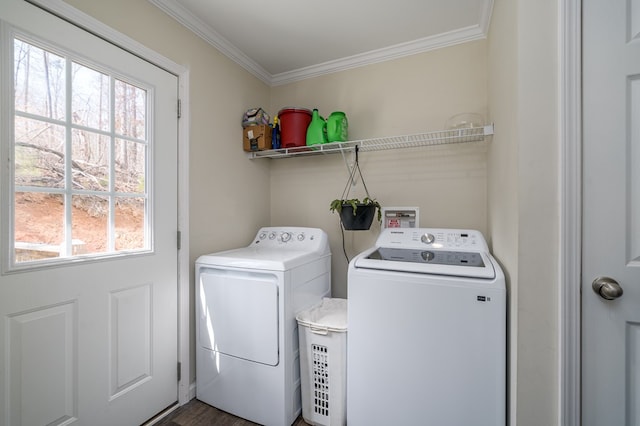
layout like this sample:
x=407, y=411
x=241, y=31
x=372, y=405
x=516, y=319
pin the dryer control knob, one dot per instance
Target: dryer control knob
x=272, y=235
x=300, y=237
x=427, y=238
x=285, y=236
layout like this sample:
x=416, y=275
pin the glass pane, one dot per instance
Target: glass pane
x=90, y=219
x=130, y=110
x=90, y=98
x=39, y=226
x=90, y=155
x=101, y=165
x=39, y=153
x=130, y=166
x=130, y=219
x=39, y=81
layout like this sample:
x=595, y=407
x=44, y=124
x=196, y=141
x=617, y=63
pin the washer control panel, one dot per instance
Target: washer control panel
x=291, y=238
x=433, y=238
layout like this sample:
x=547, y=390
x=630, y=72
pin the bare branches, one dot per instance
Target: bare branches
x=50, y=151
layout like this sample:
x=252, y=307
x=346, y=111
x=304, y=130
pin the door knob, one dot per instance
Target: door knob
x=607, y=288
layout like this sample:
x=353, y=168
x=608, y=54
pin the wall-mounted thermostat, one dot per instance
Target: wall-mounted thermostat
x=400, y=217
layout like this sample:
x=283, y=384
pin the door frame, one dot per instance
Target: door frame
x=570, y=251
x=186, y=391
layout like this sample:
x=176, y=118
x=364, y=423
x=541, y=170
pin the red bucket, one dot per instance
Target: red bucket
x=293, y=126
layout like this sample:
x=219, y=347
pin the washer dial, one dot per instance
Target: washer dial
x=427, y=238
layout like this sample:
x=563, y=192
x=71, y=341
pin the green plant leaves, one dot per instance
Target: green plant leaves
x=336, y=205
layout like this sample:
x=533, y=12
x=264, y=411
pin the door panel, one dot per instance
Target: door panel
x=93, y=341
x=130, y=338
x=50, y=330
x=240, y=314
x=611, y=212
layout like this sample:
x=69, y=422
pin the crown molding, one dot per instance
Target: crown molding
x=204, y=31
x=381, y=55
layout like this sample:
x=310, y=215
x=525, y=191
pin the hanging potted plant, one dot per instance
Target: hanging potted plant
x=355, y=214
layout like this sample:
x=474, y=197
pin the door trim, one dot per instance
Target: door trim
x=570, y=253
x=186, y=391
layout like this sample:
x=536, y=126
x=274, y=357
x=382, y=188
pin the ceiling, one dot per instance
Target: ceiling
x=282, y=41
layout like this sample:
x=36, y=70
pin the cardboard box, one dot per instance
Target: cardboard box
x=257, y=138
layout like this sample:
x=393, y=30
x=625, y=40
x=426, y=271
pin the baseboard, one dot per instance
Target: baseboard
x=192, y=391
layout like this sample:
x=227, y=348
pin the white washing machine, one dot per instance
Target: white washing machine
x=427, y=331
x=247, y=358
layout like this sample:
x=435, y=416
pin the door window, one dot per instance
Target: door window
x=79, y=158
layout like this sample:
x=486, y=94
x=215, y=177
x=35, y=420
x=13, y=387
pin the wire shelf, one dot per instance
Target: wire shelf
x=443, y=137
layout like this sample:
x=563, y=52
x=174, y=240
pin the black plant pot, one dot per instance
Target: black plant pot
x=361, y=221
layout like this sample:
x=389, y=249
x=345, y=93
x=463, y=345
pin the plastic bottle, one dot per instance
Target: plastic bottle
x=337, y=127
x=317, y=130
x=275, y=135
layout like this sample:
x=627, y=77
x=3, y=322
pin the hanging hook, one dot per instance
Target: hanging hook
x=356, y=164
x=352, y=177
x=350, y=166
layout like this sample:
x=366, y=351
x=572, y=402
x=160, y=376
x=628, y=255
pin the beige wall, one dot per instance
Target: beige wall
x=538, y=209
x=229, y=195
x=523, y=196
x=410, y=95
x=503, y=168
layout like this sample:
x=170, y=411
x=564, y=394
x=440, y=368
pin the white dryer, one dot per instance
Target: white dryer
x=247, y=358
x=427, y=331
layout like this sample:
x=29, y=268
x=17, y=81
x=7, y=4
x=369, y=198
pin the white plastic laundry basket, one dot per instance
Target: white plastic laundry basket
x=323, y=362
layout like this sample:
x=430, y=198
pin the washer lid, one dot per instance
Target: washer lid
x=423, y=261
x=454, y=252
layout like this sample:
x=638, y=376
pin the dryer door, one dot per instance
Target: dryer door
x=239, y=314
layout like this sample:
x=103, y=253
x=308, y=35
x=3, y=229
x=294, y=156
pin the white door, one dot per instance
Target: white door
x=88, y=319
x=611, y=212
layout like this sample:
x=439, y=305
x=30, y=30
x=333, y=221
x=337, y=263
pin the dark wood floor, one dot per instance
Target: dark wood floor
x=196, y=413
